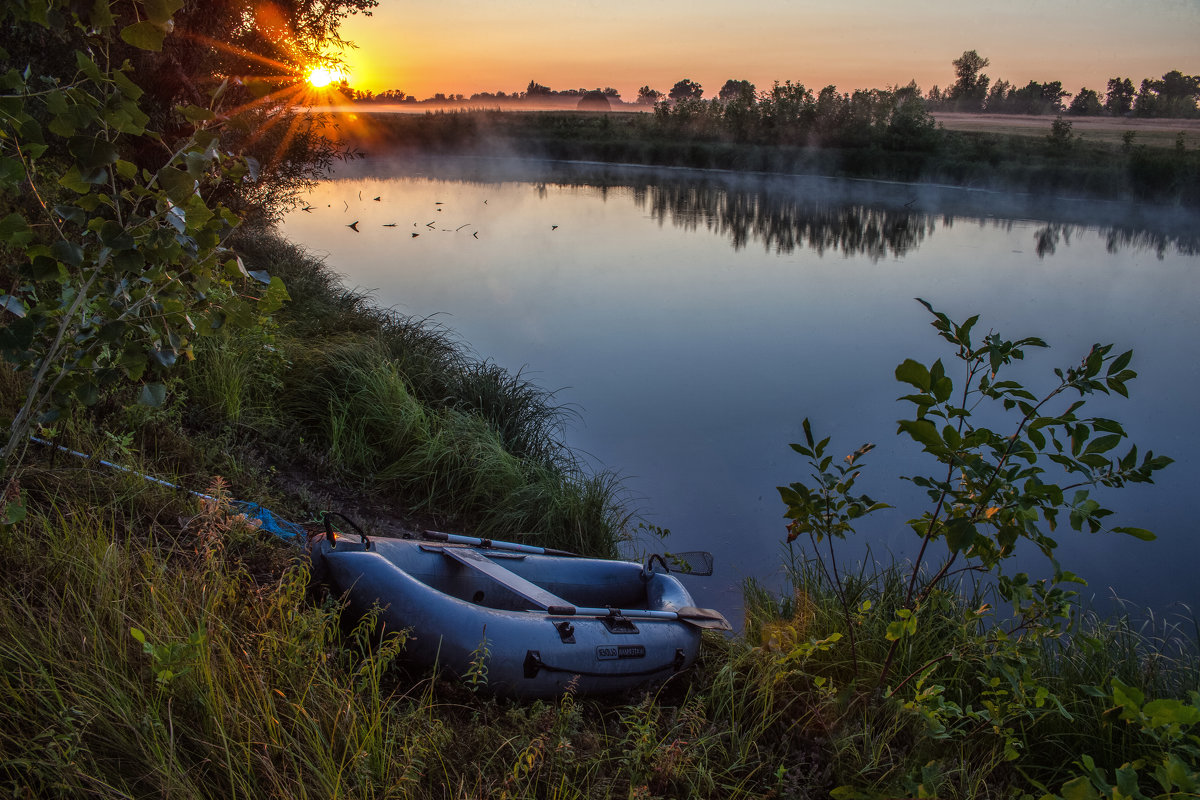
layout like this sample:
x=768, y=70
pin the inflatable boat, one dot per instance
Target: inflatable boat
x=546, y=620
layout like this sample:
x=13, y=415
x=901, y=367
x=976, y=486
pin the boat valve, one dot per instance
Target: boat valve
x=566, y=631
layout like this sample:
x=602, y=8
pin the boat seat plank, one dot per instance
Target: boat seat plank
x=507, y=578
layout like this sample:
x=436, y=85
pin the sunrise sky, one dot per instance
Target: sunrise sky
x=456, y=46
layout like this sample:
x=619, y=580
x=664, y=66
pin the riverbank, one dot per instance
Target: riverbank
x=1056, y=162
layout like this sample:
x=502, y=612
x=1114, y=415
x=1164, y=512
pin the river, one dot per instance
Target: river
x=694, y=319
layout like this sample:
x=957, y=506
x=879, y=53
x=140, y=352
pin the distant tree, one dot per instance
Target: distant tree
x=970, y=90
x=1177, y=94
x=831, y=108
x=935, y=98
x=736, y=90
x=998, y=97
x=1086, y=103
x=1146, y=102
x=610, y=92
x=1118, y=101
x=594, y=100
x=648, y=97
x=535, y=89
x=686, y=90
x=1033, y=98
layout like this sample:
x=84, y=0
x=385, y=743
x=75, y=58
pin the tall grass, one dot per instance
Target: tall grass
x=371, y=400
x=880, y=740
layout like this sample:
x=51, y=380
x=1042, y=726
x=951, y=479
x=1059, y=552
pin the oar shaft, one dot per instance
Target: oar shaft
x=632, y=613
x=455, y=538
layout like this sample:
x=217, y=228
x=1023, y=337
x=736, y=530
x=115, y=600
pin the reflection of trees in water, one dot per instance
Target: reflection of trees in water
x=842, y=221
x=1116, y=238
x=784, y=222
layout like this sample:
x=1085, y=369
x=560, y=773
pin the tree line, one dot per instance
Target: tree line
x=1174, y=95
x=534, y=91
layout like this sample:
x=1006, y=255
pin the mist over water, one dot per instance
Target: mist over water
x=696, y=318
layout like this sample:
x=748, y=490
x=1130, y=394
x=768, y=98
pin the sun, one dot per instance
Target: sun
x=321, y=77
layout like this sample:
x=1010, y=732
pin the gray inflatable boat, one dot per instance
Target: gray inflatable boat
x=548, y=621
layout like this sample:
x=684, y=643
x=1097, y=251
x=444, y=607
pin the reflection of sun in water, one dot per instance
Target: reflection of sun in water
x=321, y=77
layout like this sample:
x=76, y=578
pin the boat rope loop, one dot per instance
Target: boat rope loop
x=331, y=534
x=534, y=664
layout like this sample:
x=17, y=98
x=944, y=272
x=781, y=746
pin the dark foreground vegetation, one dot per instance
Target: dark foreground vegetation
x=156, y=644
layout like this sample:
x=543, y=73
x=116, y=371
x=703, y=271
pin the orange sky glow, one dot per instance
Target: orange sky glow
x=460, y=47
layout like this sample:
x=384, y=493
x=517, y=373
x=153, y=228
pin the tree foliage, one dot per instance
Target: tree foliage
x=970, y=89
x=113, y=230
x=686, y=89
x=648, y=97
x=737, y=90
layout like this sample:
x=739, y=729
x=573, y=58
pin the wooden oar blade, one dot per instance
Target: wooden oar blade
x=707, y=618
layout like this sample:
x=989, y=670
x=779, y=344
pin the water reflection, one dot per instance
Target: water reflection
x=851, y=218
x=784, y=223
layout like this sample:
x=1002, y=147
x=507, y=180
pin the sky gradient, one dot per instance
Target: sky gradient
x=455, y=46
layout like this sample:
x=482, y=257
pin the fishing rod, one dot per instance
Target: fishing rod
x=270, y=521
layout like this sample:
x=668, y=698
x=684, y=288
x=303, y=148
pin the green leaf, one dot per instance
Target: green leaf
x=1171, y=712
x=1079, y=789
x=145, y=35
x=12, y=171
x=102, y=16
x=87, y=393
x=179, y=185
x=92, y=152
x=194, y=113
x=160, y=11
x=153, y=395
x=15, y=511
x=960, y=534
x=67, y=252
x=15, y=231
x=1120, y=362
x=126, y=85
x=922, y=431
x=274, y=297
x=914, y=373
x=1137, y=533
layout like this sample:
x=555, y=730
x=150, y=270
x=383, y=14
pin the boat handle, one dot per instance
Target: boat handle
x=331, y=535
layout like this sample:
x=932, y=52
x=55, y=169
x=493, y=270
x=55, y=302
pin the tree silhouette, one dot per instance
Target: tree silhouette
x=733, y=90
x=969, y=91
x=1086, y=103
x=686, y=90
x=648, y=97
x=1118, y=101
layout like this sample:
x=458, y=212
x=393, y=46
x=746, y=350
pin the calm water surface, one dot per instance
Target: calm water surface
x=695, y=320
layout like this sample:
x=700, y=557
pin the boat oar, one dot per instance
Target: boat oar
x=692, y=562
x=454, y=538
x=707, y=618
